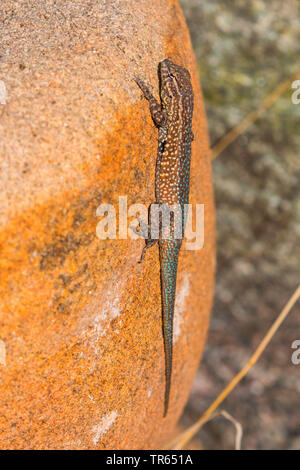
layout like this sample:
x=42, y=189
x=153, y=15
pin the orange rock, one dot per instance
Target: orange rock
x=81, y=350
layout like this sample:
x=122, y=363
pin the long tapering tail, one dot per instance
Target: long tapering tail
x=168, y=250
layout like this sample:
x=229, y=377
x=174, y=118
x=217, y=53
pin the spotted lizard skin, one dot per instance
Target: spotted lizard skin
x=173, y=117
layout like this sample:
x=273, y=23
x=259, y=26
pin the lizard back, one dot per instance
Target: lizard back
x=173, y=117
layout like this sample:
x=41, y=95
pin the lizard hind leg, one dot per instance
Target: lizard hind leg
x=149, y=242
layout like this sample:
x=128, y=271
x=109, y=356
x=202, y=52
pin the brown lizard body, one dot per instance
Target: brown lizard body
x=173, y=117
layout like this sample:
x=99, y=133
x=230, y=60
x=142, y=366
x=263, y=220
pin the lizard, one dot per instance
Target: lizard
x=173, y=118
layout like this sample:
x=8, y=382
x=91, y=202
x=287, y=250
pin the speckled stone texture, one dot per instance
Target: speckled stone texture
x=81, y=357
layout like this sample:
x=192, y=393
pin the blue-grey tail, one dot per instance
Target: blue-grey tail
x=169, y=250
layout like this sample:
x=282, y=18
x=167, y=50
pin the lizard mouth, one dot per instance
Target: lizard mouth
x=165, y=65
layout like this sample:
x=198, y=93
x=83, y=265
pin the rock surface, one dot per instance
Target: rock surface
x=82, y=361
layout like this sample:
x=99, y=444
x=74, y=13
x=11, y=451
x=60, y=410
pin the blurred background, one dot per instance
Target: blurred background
x=244, y=50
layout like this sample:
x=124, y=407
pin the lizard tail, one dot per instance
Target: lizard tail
x=169, y=258
x=168, y=367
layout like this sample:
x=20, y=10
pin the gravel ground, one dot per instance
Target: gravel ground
x=244, y=50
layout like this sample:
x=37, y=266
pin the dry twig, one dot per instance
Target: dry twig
x=245, y=123
x=182, y=440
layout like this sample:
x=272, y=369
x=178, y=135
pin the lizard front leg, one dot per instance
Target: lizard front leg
x=156, y=111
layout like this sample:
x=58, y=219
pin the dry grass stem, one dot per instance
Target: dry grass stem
x=185, y=437
x=238, y=428
x=245, y=123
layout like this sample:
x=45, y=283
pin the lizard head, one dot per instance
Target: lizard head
x=175, y=83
